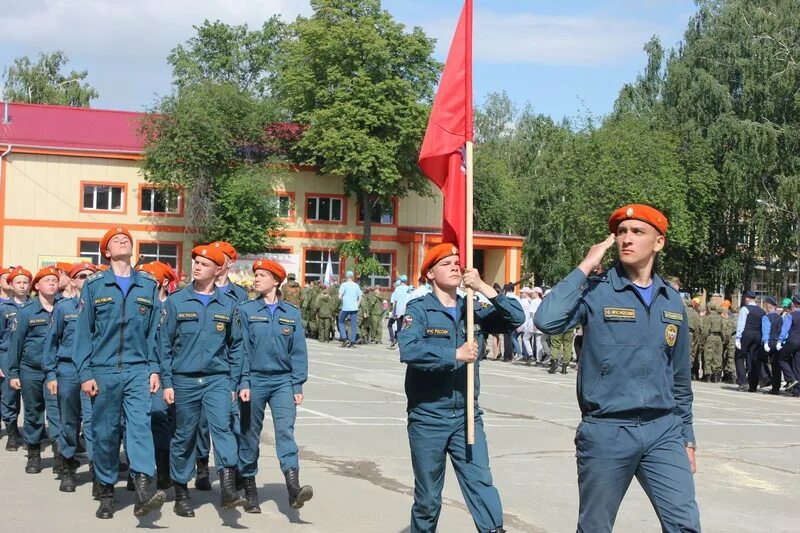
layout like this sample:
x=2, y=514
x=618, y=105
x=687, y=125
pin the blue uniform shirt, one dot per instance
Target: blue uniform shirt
x=635, y=362
x=199, y=339
x=60, y=341
x=234, y=291
x=435, y=381
x=273, y=343
x=8, y=311
x=116, y=332
x=27, y=341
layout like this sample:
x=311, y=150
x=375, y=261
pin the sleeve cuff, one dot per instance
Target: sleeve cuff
x=244, y=384
x=297, y=389
x=166, y=382
x=86, y=376
x=688, y=433
x=51, y=376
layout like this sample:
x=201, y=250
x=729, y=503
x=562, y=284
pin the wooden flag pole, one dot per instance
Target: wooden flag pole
x=470, y=390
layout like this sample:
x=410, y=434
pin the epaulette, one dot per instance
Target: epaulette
x=290, y=304
x=146, y=275
x=94, y=277
x=26, y=304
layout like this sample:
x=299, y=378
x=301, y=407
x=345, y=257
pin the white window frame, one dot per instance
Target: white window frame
x=171, y=259
x=388, y=266
x=323, y=262
x=330, y=209
x=151, y=192
x=110, y=187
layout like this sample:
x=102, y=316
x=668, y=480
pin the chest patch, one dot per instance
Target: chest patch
x=103, y=300
x=287, y=331
x=143, y=300
x=220, y=326
x=670, y=315
x=671, y=335
x=187, y=316
x=437, y=332
x=256, y=318
x=71, y=316
x=282, y=320
x=221, y=318
x=619, y=313
x=37, y=322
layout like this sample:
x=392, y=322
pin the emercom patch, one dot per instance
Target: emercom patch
x=619, y=313
x=673, y=316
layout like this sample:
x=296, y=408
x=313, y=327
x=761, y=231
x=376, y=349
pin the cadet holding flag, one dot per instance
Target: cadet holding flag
x=276, y=367
x=201, y=367
x=634, y=378
x=62, y=376
x=25, y=370
x=117, y=360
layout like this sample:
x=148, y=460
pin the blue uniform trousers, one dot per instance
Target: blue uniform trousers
x=213, y=393
x=122, y=394
x=36, y=401
x=609, y=455
x=432, y=439
x=73, y=406
x=9, y=402
x=203, y=438
x=162, y=421
x=275, y=390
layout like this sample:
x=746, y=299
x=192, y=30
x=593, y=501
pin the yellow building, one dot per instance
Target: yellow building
x=68, y=174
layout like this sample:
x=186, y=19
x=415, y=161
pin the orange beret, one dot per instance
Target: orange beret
x=6, y=270
x=78, y=267
x=43, y=273
x=726, y=304
x=102, y=268
x=63, y=267
x=209, y=252
x=436, y=254
x=169, y=274
x=642, y=212
x=153, y=268
x=118, y=230
x=270, y=266
x=226, y=248
x=19, y=271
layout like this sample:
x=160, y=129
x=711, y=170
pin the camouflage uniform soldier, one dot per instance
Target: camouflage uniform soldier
x=324, y=313
x=695, y=334
x=376, y=312
x=363, y=319
x=313, y=315
x=713, y=334
x=333, y=290
x=729, y=341
x=292, y=292
x=561, y=345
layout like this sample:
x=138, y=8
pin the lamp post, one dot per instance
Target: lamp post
x=770, y=205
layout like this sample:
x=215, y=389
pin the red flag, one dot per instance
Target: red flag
x=442, y=157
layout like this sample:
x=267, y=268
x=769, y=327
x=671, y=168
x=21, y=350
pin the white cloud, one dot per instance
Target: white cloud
x=551, y=40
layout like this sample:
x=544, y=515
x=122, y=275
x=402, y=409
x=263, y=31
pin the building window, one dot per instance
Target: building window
x=103, y=197
x=160, y=201
x=324, y=208
x=385, y=259
x=316, y=262
x=90, y=250
x=157, y=251
x=381, y=214
x=283, y=206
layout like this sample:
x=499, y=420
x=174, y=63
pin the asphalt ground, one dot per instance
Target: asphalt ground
x=354, y=452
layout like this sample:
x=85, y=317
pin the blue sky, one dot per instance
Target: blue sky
x=564, y=57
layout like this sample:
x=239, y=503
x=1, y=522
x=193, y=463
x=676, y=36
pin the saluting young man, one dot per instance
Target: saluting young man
x=19, y=281
x=25, y=355
x=634, y=379
x=433, y=345
x=62, y=376
x=117, y=360
x=276, y=366
x=201, y=365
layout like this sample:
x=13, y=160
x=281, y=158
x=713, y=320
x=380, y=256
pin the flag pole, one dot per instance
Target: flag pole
x=470, y=389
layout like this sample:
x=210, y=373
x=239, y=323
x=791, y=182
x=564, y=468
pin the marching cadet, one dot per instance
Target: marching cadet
x=561, y=346
x=276, y=367
x=695, y=334
x=326, y=311
x=376, y=312
x=729, y=353
x=433, y=345
x=162, y=415
x=25, y=370
x=201, y=364
x=634, y=380
x=61, y=376
x=19, y=281
x=117, y=360
x=312, y=310
x=713, y=333
x=788, y=347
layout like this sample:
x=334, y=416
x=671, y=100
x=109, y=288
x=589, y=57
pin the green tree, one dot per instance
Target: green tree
x=229, y=54
x=362, y=84
x=209, y=138
x=43, y=82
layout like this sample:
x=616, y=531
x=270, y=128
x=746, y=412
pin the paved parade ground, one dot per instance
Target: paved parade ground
x=354, y=451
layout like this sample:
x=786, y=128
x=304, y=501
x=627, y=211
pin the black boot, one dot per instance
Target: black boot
x=68, y=468
x=106, y=496
x=553, y=366
x=251, y=496
x=564, y=368
x=130, y=486
x=14, y=438
x=147, y=499
x=95, y=483
x=716, y=377
x=297, y=495
x=202, y=482
x=58, y=464
x=34, y=464
x=163, y=481
x=498, y=530
x=182, y=506
x=230, y=496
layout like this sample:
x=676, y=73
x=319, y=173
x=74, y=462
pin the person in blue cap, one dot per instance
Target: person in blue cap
x=118, y=365
x=434, y=348
x=350, y=295
x=634, y=378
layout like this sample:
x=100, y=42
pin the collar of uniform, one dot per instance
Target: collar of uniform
x=193, y=293
x=432, y=303
x=620, y=282
x=110, y=278
x=263, y=304
x=36, y=306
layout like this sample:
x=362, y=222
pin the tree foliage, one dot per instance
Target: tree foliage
x=361, y=83
x=43, y=82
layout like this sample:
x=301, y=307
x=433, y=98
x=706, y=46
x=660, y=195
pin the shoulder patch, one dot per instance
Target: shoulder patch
x=94, y=277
